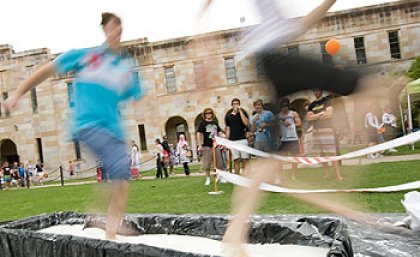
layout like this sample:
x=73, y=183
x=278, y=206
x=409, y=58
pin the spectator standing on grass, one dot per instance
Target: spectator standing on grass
x=22, y=176
x=15, y=174
x=288, y=122
x=207, y=130
x=71, y=168
x=167, y=154
x=7, y=175
x=389, y=122
x=374, y=129
x=159, y=160
x=182, y=148
x=40, y=172
x=236, y=129
x=135, y=155
x=262, y=126
x=31, y=169
x=320, y=112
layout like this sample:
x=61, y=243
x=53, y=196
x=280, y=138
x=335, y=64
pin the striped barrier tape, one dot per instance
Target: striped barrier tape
x=405, y=140
x=246, y=182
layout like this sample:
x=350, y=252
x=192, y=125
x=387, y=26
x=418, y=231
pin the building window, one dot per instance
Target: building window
x=77, y=149
x=70, y=94
x=170, y=79
x=394, y=44
x=5, y=96
x=199, y=73
x=326, y=57
x=359, y=48
x=260, y=67
x=230, y=70
x=40, y=151
x=293, y=51
x=34, y=100
x=142, y=135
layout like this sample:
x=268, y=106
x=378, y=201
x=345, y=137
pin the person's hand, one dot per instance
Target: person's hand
x=257, y=118
x=11, y=102
x=287, y=123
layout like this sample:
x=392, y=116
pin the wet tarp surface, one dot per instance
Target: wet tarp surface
x=374, y=240
x=20, y=239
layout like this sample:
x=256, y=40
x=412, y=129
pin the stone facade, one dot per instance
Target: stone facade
x=43, y=130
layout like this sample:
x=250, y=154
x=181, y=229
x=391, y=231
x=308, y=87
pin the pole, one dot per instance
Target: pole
x=214, y=166
x=61, y=175
x=216, y=189
x=402, y=120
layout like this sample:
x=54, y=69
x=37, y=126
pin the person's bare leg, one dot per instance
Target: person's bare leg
x=237, y=166
x=116, y=207
x=336, y=166
x=245, y=201
x=245, y=164
x=326, y=170
x=294, y=169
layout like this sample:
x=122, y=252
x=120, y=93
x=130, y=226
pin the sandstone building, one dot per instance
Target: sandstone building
x=381, y=38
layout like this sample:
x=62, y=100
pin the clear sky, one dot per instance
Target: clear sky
x=61, y=25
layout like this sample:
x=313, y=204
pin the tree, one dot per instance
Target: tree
x=414, y=71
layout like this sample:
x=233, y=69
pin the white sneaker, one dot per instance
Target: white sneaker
x=222, y=180
x=392, y=150
x=207, y=183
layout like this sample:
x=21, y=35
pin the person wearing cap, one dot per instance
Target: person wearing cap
x=320, y=113
x=289, y=120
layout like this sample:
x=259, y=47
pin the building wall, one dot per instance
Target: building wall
x=158, y=106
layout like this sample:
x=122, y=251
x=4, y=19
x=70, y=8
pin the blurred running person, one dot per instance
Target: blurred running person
x=103, y=79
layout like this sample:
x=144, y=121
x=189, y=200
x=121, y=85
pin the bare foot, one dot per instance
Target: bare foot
x=340, y=178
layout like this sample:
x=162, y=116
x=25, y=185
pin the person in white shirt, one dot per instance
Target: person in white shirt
x=390, y=125
x=374, y=130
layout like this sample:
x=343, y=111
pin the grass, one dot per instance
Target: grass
x=189, y=195
x=402, y=150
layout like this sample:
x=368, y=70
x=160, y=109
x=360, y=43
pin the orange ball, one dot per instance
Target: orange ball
x=332, y=46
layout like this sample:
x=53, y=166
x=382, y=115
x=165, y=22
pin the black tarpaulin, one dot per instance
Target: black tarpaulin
x=21, y=239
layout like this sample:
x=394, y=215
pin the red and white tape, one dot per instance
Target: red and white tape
x=246, y=182
x=405, y=140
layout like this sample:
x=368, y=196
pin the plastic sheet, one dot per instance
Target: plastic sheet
x=20, y=239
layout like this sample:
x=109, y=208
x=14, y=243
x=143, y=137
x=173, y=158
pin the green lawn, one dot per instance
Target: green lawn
x=189, y=195
x=402, y=150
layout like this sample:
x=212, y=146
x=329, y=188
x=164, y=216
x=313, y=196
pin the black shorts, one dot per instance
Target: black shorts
x=290, y=148
x=291, y=74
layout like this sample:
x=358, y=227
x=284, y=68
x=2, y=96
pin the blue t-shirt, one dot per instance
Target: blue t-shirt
x=21, y=171
x=266, y=134
x=103, y=79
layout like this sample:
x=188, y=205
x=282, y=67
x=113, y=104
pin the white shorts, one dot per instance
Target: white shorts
x=238, y=154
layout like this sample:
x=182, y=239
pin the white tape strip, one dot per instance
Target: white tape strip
x=245, y=182
x=405, y=140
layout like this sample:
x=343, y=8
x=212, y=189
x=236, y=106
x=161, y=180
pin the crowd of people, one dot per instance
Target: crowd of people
x=20, y=175
x=286, y=133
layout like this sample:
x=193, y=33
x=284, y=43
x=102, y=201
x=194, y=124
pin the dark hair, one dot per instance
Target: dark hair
x=284, y=102
x=157, y=140
x=107, y=17
x=235, y=100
